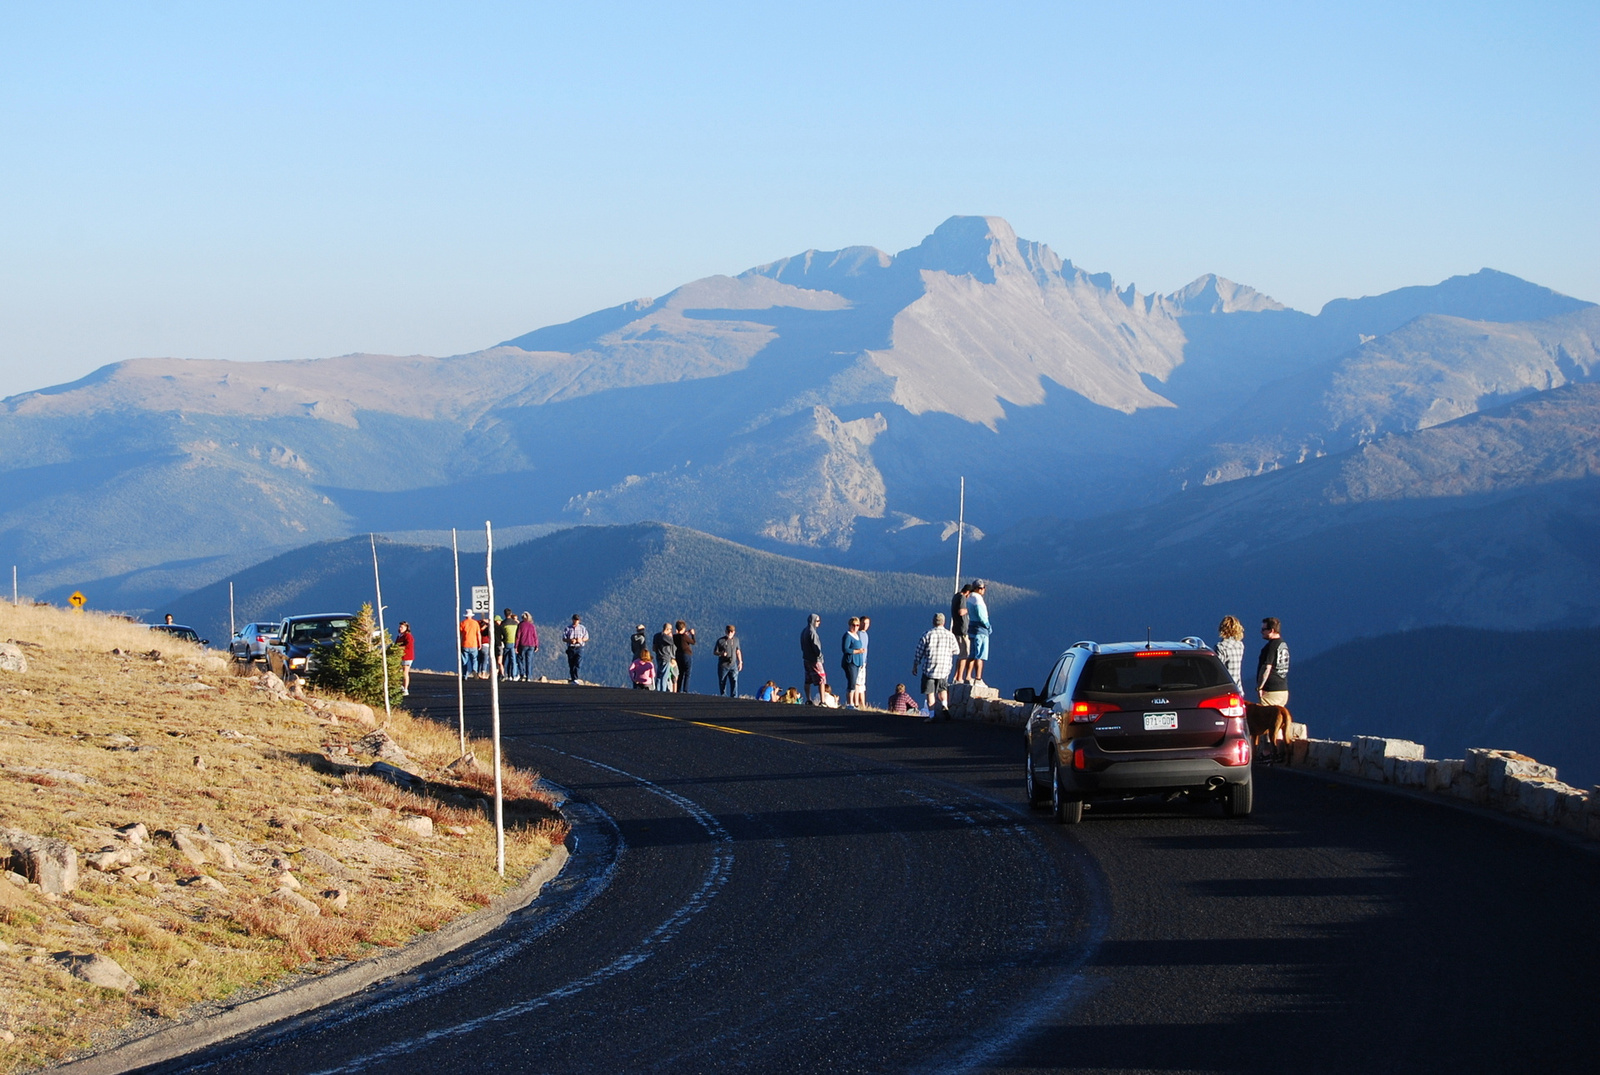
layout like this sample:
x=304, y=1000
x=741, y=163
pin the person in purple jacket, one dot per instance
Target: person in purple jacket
x=527, y=646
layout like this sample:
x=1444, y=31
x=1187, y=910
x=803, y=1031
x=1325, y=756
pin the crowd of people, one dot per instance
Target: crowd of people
x=953, y=650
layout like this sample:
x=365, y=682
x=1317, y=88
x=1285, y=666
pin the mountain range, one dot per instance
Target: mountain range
x=823, y=405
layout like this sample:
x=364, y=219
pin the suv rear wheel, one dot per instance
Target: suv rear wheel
x=1067, y=811
x=1240, y=800
x=1037, y=793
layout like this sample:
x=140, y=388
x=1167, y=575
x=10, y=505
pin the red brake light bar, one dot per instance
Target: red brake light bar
x=1153, y=653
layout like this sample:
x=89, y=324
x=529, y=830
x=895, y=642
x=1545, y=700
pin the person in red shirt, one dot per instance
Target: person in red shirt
x=408, y=653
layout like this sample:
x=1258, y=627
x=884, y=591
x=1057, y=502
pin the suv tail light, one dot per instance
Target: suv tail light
x=1237, y=754
x=1232, y=705
x=1079, y=761
x=1089, y=712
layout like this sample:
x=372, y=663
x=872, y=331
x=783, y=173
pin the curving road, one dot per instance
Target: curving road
x=775, y=889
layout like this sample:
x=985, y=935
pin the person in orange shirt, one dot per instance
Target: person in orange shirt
x=471, y=636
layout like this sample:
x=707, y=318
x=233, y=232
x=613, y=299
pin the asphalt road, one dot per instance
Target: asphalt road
x=782, y=889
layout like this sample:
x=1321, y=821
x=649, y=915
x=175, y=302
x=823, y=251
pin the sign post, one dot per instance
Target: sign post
x=494, y=708
x=961, y=528
x=455, y=625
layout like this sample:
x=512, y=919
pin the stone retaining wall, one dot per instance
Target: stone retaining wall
x=1499, y=779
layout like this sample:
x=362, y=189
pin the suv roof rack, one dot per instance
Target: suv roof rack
x=1092, y=647
x=1197, y=643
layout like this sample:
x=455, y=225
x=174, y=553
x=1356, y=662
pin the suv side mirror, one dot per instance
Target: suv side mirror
x=1025, y=695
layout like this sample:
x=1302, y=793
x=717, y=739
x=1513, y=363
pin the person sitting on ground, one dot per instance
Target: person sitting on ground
x=643, y=672
x=901, y=700
x=792, y=696
x=768, y=692
x=828, y=700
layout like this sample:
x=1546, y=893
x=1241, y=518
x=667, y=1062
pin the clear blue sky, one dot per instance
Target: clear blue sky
x=300, y=180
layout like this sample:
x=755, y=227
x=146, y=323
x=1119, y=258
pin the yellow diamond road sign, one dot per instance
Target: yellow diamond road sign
x=77, y=599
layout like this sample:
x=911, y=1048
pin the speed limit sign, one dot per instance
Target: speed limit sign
x=480, y=599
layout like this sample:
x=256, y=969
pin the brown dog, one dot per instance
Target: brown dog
x=1272, y=721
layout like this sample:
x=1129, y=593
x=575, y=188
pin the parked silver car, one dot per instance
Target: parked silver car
x=250, y=642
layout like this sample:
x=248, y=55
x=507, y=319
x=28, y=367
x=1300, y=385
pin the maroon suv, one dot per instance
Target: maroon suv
x=1136, y=718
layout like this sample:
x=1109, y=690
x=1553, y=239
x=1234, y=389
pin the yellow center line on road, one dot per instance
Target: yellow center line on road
x=714, y=727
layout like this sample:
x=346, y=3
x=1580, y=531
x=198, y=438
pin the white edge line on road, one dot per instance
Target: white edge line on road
x=716, y=875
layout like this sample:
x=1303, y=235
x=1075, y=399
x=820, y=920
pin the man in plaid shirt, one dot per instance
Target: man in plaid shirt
x=936, y=653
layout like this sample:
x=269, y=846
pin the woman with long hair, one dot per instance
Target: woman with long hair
x=1230, y=647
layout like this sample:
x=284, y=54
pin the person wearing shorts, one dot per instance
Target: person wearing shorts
x=936, y=654
x=978, y=631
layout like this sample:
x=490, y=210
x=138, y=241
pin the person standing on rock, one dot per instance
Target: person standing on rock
x=978, y=631
x=1272, y=667
x=665, y=645
x=469, y=644
x=936, y=654
x=1230, y=647
x=683, y=638
x=959, y=621
x=576, y=636
x=527, y=646
x=811, y=655
x=730, y=662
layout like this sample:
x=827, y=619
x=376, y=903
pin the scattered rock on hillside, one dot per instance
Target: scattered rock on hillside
x=12, y=659
x=47, y=862
x=293, y=901
x=109, y=860
x=417, y=823
x=468, y=762
x=383, y=747
x=99, y=970
x=60, y=776
x=271, y=685
x=200, y=848
x=323, y=862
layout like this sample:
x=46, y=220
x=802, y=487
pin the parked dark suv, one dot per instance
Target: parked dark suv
x=294, y=653
x=1136, y=718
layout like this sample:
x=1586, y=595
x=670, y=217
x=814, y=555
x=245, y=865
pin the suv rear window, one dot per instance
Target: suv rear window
x=1130, y=673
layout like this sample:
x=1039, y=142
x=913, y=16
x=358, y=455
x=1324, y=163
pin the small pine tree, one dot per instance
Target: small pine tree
x=353, y=666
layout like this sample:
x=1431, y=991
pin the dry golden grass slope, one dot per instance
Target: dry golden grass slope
x=262, y=856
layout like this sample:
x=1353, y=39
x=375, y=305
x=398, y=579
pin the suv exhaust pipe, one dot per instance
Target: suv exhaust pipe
x=1215, y=784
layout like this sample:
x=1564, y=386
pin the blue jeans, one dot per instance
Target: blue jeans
x=469, y=661
x=525, y=662
x=728, y=681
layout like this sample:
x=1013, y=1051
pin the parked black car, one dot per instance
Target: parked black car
x=178, y=630
x=299, y=637
x=1136, y=718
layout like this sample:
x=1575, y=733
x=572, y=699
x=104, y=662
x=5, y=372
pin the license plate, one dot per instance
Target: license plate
x=1160, y=722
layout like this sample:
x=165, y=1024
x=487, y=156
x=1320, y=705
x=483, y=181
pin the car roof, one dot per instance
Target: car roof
x=169, y=626
x=321, y=616
x=1187, y=645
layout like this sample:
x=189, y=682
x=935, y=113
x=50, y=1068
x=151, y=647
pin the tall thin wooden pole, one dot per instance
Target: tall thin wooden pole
x=383, y=635
x=232, y=629
x=961, y=528
x=494, y=713
x=455, y=628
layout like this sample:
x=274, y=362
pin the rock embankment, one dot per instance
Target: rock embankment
x=1501, y=780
